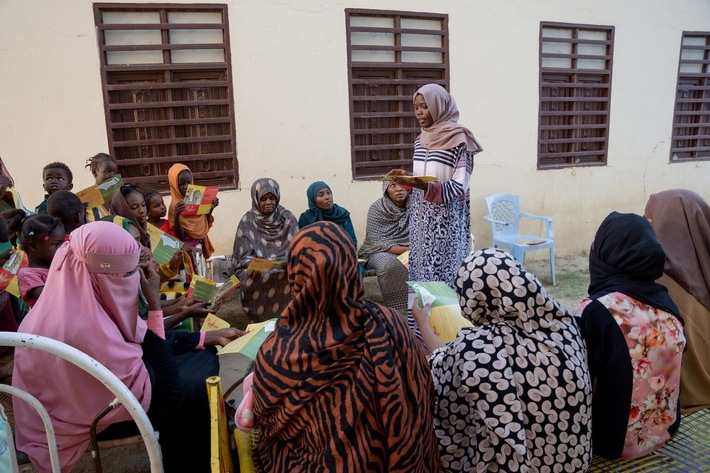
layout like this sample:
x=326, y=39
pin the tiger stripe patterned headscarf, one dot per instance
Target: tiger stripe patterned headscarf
x=341, y=384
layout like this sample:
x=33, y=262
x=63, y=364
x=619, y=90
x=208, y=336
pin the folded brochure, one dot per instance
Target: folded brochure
x=8, y=271
x=199, y=199
x=446, y=319
x=101, y=193
x=204, y=289
x=163, y=246
x=408, y=180
x=249, y=343
x=262, y=265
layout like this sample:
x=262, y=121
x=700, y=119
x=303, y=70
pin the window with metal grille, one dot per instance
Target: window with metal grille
x=691, y=120
x=390, y=55
x=575, y=92
x=167, y=85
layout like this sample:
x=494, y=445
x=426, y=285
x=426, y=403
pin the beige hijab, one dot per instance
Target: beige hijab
x=681, y=220
x=445, y=132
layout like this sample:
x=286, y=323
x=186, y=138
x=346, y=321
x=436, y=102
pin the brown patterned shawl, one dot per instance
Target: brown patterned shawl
x=341, y=384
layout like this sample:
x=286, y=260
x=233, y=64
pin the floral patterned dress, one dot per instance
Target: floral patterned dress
x=635, y=353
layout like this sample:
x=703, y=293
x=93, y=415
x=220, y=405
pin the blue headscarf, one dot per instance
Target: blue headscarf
x=335, y=214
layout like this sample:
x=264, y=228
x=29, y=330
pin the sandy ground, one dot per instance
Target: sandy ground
x=572, y=281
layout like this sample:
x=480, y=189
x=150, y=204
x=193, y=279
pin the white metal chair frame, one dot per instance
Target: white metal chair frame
x=100, y=372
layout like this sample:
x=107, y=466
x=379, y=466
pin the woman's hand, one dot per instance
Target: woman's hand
x=215, y=202
x=179, y=207
x=421, y=314
x=195, y=308
x=150, y=285
x=222, y=336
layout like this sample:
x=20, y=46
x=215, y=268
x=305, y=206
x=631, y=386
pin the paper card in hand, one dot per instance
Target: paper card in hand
x=101, y=193
x=404, y=259
x=202, y=289
x=446, y=319
x=227, y=287
x=212, y=322
x=8, y=271
x=198, y=199
x=249, y=343
x=263, y=265
x=163, y=246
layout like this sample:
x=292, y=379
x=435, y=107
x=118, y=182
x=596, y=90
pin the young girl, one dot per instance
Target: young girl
x=157, y=210
x=128, y=202
x=102, y=166
x=40, y=236
x=191, y=229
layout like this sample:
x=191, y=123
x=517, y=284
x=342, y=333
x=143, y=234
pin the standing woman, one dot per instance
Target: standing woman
x=681, y=220
x=264, y=232
x=441, y=210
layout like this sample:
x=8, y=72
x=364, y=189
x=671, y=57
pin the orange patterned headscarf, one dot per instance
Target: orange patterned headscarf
x=341, y=384
x=197, y=226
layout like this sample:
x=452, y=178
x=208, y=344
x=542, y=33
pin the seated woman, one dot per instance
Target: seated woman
x=514, y=388
x=341, y=384
x=99, y=270
x=386, y=237
x=634, y=340
x=681, y=220
x=321, y=208
x=264, y=232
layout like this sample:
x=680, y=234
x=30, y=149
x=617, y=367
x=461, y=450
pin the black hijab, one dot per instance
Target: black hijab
x=626, y=257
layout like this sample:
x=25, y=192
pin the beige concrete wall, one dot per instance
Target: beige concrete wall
x=291, y=102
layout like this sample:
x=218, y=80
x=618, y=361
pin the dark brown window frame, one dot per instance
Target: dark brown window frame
x=188, y=113
x=583, y=140
x=690, y=136
x=382, y=123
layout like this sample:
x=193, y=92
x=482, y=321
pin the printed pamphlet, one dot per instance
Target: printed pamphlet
x=162, y=245
x=249, y=344
x=404, y=259
x=263, y=265
x=204, y=289
x=8, y=271
x=101, y=193
x=198, y=199
x=446, y=319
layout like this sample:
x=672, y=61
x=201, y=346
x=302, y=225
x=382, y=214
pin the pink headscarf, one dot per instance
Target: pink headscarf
x=445, y=132
x=89, y=303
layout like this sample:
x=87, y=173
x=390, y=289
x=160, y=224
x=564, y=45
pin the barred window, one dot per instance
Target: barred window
x=575, y=93
x=390, y=55
x=167, y=78
x=691, y=120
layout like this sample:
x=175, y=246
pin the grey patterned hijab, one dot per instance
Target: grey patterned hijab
x=387, y=226
x=263, y=235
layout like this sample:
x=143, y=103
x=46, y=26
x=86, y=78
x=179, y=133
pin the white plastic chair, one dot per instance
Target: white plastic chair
x=504, y=214
x=97, y=370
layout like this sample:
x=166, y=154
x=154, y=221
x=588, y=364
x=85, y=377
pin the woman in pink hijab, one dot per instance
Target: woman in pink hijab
x=440, y=221
x=90, y=301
